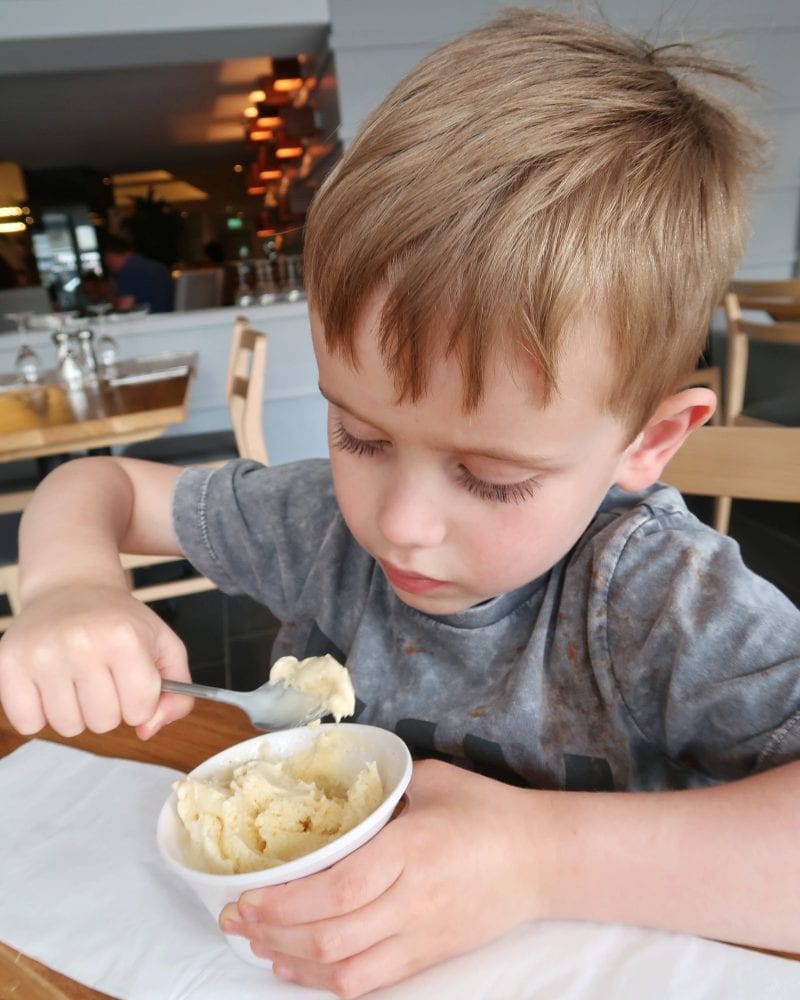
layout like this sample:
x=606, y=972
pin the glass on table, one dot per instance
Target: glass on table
x=27, y=363
x=68, y=360
x=106, y=352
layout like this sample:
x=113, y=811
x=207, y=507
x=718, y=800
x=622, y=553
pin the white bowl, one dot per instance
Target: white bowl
x=362, y=744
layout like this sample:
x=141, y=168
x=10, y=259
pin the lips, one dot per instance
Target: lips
x=411, y=583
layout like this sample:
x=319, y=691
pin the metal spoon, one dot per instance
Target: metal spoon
x=269, y=707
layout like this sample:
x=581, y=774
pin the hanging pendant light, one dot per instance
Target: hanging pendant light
x=254, y=183
x=287, y=75
x=269, y=167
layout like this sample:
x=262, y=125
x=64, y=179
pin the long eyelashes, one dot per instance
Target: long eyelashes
x=340, y=438
x=492, y=492
x=498, y=492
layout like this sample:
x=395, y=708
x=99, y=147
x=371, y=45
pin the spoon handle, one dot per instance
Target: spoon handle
x=203, y=691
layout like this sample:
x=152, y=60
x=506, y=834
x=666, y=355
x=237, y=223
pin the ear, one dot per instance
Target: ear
x=673, y=421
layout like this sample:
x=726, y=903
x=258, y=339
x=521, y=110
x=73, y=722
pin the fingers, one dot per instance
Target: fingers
x=321, y=942
x=355, y=915
x=99, y=704
x=137, y=685
x=172, y=662
x=382, y=965
x=20, y=698
x=346, y=887
x=76, y=668
x=348, y=955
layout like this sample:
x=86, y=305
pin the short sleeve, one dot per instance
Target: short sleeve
x=256, y=530
x=705, y=654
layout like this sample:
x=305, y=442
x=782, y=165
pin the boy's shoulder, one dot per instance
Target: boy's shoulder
x=648, y=517
x=649, y=559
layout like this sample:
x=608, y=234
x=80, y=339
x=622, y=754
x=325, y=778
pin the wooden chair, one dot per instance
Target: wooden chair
x=244, y=391
x=244, y=396
x=778, y=303
x=778, y=322
x=747, y=463
x=149, y=592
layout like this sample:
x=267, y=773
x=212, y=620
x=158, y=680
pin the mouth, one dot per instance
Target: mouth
x=411, y=583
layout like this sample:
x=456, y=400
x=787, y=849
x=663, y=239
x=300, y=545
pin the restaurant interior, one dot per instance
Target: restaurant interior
x=200, y=134
x=205, y=149
x=206, y=159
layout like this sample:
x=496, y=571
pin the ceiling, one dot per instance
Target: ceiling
x=137, y=102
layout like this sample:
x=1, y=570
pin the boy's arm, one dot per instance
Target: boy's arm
x=88, y=511
x=470, y=857
x=84, y=653
x=719, y=862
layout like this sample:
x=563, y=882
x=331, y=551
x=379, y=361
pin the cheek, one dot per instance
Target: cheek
x=352, y=489
x=520, y=542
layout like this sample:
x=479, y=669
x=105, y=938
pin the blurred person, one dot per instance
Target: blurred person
x=94, y=289
x=139, y=281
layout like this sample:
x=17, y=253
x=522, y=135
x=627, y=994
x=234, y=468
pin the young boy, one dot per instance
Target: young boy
x=510, y=274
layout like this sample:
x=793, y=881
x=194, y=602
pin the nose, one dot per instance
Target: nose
x=411, y=512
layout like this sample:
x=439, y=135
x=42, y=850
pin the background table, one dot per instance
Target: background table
x=51, y=419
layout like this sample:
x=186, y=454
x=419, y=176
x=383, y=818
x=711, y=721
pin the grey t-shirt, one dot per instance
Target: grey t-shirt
x=649, y=657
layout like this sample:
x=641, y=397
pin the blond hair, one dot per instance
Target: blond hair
x=528, y=172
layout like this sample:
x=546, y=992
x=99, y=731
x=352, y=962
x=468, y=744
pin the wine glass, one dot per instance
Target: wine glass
x=28, y=364
x=107, y=351
x=99, y=309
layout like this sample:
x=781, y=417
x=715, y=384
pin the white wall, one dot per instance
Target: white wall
x=71, y=18
x=377, y=42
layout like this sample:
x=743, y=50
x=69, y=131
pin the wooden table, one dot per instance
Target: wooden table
x=210, y=727
x=50, y=419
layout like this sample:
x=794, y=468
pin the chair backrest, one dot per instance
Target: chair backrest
x=778, y=303
x=244, y=389
x=200, y=289
x=746, y=463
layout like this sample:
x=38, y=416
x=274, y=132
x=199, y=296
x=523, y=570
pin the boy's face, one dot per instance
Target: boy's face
x=460, y=507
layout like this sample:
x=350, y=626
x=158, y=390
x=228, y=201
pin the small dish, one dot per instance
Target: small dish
x=362, y=744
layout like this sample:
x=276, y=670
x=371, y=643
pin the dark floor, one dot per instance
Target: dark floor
x=229, y=639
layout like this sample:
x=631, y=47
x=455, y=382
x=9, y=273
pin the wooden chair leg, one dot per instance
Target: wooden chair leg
x=721, y=516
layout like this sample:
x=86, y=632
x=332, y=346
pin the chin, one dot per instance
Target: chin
x=438, y=605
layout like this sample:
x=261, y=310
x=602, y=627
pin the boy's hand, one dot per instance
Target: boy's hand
x=453, y=870
x=88, y=656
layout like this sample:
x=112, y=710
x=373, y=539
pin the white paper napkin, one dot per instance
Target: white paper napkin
x=83, y=890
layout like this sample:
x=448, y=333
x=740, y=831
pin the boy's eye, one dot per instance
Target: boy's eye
x=345, y=441
x=342, y=439
x=498, y=492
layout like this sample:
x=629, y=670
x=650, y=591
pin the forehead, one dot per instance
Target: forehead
x=585, y=369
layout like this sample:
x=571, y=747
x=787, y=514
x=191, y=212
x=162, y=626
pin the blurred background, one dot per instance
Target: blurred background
x=202, y=130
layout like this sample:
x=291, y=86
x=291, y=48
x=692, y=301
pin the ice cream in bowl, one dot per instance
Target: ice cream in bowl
x=278, y=807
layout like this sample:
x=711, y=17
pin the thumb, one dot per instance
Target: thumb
x=172, y=663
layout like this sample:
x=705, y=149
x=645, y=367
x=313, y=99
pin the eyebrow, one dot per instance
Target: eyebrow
x=495, y=454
